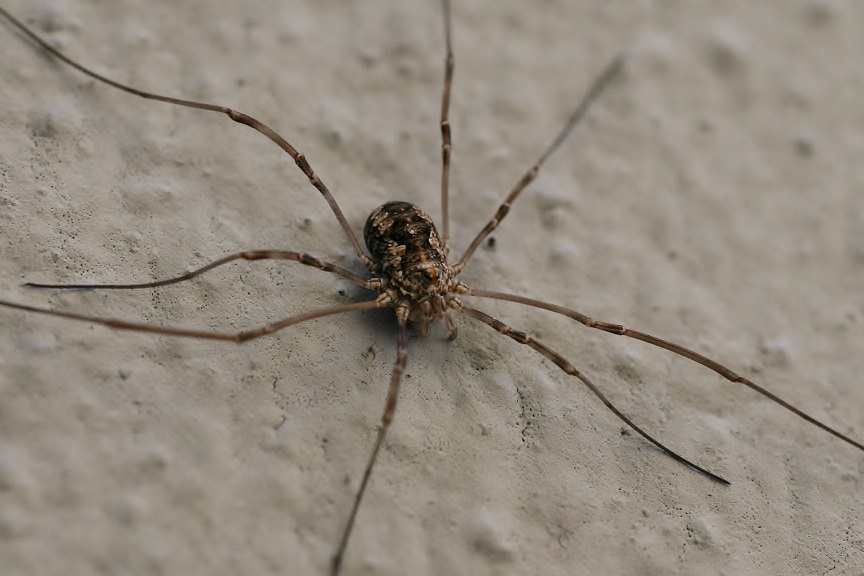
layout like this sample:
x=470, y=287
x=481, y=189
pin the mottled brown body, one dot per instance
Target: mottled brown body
x=410, y=259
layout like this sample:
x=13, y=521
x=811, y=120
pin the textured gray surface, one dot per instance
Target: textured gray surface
x=713, y=197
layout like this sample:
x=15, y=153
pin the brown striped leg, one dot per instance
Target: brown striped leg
x=238, y=117
x=599, y=85
x=445, y=129
x=402, y=311
x=249, y=255
x=568, y=368
x=675, y=348
x=238, y=337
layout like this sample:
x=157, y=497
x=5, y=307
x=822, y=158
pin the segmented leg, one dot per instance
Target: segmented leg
x=599, y=85
x=446, y=146
x=238, y=117
x=402, y=311
x=382, y=301
x=249, y=255
x=571, y=370
x=675, y=348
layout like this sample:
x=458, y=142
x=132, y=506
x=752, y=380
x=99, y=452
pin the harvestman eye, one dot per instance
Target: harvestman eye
x=406, y=268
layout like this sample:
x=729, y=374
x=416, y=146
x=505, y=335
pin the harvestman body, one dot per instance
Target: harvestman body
x=408, y=270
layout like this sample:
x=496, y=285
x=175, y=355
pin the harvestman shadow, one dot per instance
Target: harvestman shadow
x=407, y=270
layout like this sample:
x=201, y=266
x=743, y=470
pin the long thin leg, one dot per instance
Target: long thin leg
x=445, y=129
x=599, y=85
x=675, y=348
x=568, y=368
x=239, y=117
x=249, y=255
x=238, y=337
x=386, y=419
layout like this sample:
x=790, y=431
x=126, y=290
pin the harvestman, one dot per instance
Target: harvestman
x=408, y=268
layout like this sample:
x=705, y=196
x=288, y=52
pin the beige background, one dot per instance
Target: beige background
x=713, y=197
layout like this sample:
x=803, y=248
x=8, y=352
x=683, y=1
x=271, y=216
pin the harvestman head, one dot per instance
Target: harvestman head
x=407, y=270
